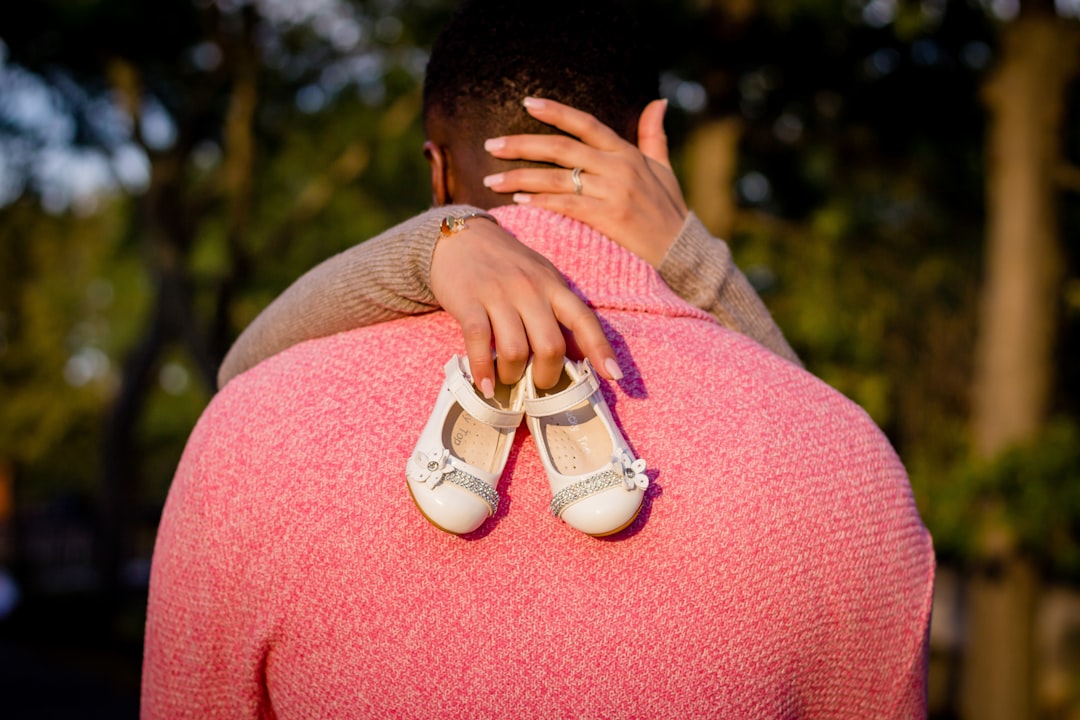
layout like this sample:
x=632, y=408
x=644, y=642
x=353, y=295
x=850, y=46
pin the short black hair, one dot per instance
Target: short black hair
x=590, y=54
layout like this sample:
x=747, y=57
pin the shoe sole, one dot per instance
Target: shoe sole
x=619, y=529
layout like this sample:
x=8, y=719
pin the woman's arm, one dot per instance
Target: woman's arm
x=489, y=282
x=632, y=196
x=381, y=279
x=699, y=268
x=388, y=277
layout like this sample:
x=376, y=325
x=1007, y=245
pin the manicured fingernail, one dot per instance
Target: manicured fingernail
x=522, y=198
x=613, y=368
x=488, y=388
x=493, y=144
x=534, y=103
x=492, y=180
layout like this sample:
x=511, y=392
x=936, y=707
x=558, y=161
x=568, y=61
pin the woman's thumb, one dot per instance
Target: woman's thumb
x=652, y=141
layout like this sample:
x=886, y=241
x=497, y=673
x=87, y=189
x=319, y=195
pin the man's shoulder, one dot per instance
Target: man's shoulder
x=702, y=376
x=335, y=384
x=339, y=406
x=378, y=352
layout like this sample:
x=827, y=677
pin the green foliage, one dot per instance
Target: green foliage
x=1028, y=499
x=72, y=296
x=334, y=180
x=321, y=180
x=871, y=281
x=173, y=406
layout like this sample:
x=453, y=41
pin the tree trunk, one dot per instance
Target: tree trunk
x=168, y=224
x=118, y=456
x=1014, y=352
x=239, y=176
x=1025, y=99
x=998, y=682
x=712, y=154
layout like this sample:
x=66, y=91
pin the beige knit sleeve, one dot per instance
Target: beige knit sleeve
x=699, y=268
x=381, y=279
x=386, y=278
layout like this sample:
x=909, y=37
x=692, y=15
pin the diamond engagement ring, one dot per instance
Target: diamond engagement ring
x=575, y=177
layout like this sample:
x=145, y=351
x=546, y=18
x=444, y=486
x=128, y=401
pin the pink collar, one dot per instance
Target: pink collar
x=600, y=271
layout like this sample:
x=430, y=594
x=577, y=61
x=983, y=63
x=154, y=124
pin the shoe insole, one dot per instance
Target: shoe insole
x=576, y=439
x=475, y=442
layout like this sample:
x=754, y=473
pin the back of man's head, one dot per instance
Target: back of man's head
x=589, y=54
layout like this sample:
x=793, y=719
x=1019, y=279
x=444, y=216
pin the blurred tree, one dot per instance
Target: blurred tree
x=224, y=109
x=1026, y=97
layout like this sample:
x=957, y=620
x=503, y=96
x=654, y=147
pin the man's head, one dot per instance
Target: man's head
x=588, y=54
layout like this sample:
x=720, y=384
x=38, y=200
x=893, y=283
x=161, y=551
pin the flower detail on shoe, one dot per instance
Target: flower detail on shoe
x=633, y=472
x=431, y=468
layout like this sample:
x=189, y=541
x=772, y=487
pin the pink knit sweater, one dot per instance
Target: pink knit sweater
x=779, y=567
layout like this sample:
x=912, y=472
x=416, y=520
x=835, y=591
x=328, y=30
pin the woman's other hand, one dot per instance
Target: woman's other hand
x=629, y=194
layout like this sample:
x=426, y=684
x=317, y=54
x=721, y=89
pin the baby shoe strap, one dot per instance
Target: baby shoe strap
x=461, y=386
x=582, y=389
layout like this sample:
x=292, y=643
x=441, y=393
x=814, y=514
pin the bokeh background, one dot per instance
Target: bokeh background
x=899, y=179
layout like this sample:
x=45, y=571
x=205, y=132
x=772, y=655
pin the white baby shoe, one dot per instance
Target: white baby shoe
x=455, y=468
x=597, y=484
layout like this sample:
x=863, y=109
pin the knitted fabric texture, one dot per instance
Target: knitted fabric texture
x=779, y=567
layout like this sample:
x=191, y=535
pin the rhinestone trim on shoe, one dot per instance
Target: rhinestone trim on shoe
x=476, y=486
x=580, y=490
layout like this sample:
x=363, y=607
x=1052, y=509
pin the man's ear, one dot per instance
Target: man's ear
x=442, y=183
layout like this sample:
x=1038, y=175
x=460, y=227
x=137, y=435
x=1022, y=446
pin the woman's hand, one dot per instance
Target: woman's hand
x=492, y=284
x=627, y=193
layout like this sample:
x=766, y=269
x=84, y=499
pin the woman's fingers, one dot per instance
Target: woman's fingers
x=511, y=338
x=627, y=192
x=554, y=149
x=587, y=337
x=497, y=288
x=533, y=306
x=652, y=142
x=544, y=180
x=476, y=331
x=532, y=328
x=578, y=123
